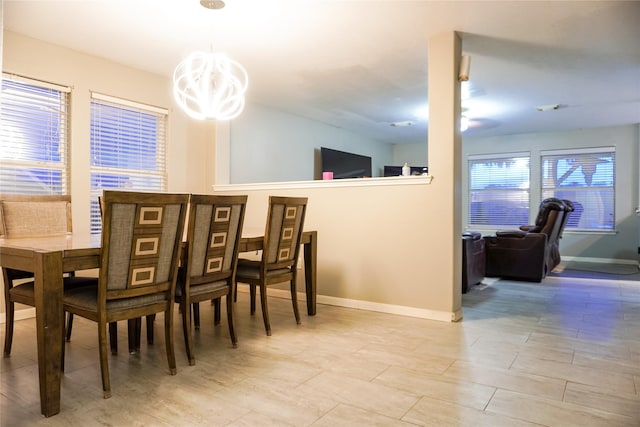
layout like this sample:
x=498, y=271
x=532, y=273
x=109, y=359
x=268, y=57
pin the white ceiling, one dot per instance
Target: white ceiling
x=361, y=65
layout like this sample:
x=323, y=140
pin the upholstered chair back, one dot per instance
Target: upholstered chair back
x=553, y=216
x=546, y=206
x=285, y=222
x=23, y=215
x=215, y=226
x=141, y=242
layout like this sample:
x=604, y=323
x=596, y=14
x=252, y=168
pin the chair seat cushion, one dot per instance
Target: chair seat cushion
x=204, y=288
x=87, y=298
x=26, y=290
x=250, y=269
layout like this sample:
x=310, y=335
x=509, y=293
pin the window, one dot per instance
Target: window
x=34, y=137
x=499, y=190
x=127, y=149
x=587, y=178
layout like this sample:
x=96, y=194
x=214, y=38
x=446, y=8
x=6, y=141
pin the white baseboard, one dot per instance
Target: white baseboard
x=601, y=260
x=400, y=310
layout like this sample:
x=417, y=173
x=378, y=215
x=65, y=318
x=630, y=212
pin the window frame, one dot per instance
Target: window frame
x=55, y=137
x=552, y=191
x=524, y=214
x=119, y=160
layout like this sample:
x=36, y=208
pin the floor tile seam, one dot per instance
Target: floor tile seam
x=620, y=367
x=612, y=372
x=604, y=412
x=413, y=395
x=512, y=372
x=488, y=411
x=576, y=342
x=568, y=365
x=570, y=378
x=337, y=404
x=408, y=411
x=626, y=396
x=519, y=390
x=563, y=405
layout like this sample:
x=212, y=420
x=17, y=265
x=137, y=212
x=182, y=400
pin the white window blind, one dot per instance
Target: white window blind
x=499, y=190
x=128, y=143
x=586, y=177
x=34, y=137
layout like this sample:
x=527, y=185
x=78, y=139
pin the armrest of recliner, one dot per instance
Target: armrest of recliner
x=511, y=233
x=471, y=235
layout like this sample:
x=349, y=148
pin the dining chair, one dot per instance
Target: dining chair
x=210, y=258
x=279, y=259
x=134, y=326
x=26, y=215
x=140, y=249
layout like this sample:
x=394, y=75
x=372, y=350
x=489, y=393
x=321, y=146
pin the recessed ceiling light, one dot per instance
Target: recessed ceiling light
x=549, y=107
x=464, y=123
x=402, y=124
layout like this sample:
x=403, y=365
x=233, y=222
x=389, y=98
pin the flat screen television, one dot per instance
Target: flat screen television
x=345, y=165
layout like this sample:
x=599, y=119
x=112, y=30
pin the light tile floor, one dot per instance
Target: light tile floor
x=565, y=352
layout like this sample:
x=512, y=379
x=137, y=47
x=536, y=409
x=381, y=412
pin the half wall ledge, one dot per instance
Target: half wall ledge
x=333, y=183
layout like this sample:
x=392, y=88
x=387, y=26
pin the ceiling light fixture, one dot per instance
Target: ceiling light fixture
x=212, y=4
x=465, y=65
x=464, y=123
x=210, y=86
x=402, y=124
x=549, y=107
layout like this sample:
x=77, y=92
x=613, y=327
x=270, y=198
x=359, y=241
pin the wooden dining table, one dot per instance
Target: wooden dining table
x=49, y=257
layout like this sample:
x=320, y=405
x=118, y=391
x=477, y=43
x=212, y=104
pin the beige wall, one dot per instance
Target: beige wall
x=389, y=244
x=393, y=248
x=376, y=245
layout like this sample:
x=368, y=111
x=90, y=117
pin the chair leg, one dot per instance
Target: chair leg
x=186, y=330
x=265, y=309
x=62, y=350
x=134, y=329
x=252, y=297
x=104, y=362
x=168, y=339
x=113, y=338
x=230, y=320
x=69, y=327
x=150, y=320
x=294, y=300
x=8, y=326
x=216, y=311
x=196, y=314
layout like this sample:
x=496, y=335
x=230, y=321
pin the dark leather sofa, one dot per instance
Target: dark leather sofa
x=531, y=252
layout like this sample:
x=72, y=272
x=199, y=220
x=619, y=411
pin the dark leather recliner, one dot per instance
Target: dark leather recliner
x=473, y=259
x=529, y=253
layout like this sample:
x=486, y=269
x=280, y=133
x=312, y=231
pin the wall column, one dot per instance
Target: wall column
x=444, y=148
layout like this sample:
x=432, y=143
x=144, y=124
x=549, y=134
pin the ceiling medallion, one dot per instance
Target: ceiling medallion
x=212, y=4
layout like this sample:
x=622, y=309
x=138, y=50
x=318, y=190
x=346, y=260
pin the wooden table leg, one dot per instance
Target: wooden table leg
x=310, y=257
x=49, y=328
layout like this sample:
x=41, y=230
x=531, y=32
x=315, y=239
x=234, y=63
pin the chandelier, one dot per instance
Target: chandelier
x=210, y=86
